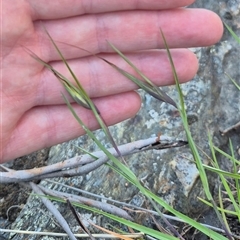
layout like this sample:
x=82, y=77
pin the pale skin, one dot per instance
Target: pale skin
x=33, y=113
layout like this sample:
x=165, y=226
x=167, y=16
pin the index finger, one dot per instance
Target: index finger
x=55, y=9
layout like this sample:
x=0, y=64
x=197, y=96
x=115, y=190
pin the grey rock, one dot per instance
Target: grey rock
x=212, y=103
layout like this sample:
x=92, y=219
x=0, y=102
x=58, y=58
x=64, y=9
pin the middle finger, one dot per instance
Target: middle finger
x=130, y=31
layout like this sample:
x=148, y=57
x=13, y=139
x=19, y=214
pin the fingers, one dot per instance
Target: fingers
x=99, y=79
x=46, y=126
x=131, y=31
x=55, y=9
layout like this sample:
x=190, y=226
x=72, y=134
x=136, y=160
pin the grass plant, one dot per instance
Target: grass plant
x=81, y=97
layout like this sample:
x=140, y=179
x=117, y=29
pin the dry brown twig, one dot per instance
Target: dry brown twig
x=84, y=164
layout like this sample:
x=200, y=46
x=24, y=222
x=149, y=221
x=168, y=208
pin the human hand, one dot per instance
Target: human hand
x=34, y=115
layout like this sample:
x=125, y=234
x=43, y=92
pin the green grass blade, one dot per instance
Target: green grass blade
x=183, y=114
x=224, y=173
x=197, y=158
x=70, y=88
x=130, y=176
x=77, y=93
x=224, y=182
x=159, y=94
x=126, y=172
x=233, y=81
x=219, y=208
x=222, y=209
x=237, y=185
x=143, y=85
x=147, y=85
x=108, y=154
x=233, y=159
x=232, y=33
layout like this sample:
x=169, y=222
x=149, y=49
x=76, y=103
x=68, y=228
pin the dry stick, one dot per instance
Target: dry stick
x=170, y=226
x=135, y=207
x=59, y=194
x=100, y=161
x=50, y=206
x=57, y=169
x=233, y=127
x=117, y=202
x=93, y=203
x=81, y=170
x=80, y=222
x=151, y=238
x=160, y=228
x=94, y=195
x=99, y=236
